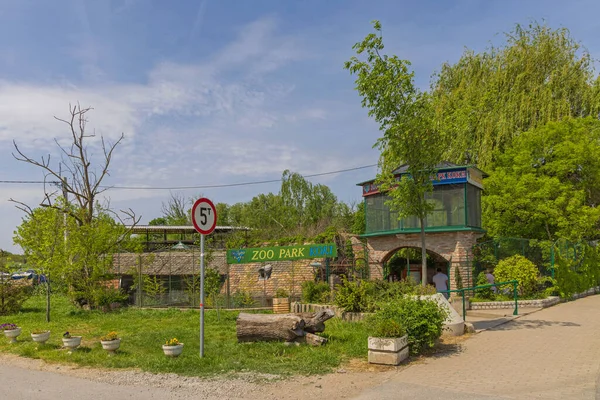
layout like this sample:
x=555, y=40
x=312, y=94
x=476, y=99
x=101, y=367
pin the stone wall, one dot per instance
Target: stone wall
x=536, y=303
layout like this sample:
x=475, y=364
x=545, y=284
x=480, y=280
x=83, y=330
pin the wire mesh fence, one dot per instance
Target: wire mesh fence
x=486, y=255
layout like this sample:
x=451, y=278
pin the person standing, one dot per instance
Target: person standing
x=491, y=280
x=440, y=280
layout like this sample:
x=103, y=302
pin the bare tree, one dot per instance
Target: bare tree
x=93, y=230
x=85, y=183
x=177, y=209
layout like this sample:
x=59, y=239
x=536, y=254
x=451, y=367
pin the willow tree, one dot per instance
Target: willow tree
x=410, y=136
x=486, y=99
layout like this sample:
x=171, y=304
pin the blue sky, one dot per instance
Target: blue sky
x=215, y=92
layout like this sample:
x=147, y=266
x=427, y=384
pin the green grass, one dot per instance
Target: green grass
x=142, y=333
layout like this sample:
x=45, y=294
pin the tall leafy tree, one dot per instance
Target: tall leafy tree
x=486, y=99
x=546, y=185
x=406, y=119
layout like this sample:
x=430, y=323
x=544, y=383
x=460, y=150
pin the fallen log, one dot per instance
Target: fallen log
x=299, y=328
x=315, y=322
x=269, y=327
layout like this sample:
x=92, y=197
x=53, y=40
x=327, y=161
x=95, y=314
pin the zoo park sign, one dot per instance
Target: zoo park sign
x=281, y=253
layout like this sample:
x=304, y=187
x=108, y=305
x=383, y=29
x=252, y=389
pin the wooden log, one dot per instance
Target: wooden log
x=315, y=322
x=269, y=327
x=310, y=339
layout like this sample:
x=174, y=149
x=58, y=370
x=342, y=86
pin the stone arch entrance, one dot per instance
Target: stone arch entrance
x=405, y=262
x=454, y=247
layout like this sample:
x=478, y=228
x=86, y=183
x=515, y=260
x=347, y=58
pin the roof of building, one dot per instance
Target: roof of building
x=444, y=165
x=181, y=228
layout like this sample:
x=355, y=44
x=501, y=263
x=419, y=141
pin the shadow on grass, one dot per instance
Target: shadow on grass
x=532, y=324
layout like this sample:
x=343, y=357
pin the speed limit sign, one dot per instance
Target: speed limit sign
x=204, y=216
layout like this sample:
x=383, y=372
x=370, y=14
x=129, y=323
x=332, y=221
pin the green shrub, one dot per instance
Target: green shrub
x=243, y=299
x=315, y=292
x=520, y=269
x=483, y=293
x=386, y=323
x=12, y=295
x=281, y=293
x=422, y=320
x=576, y=276
x=355, y=296
x=105, y=296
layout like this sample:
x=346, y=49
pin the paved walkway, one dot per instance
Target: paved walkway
x=550, y=354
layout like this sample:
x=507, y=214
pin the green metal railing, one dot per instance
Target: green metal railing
x=463, y=290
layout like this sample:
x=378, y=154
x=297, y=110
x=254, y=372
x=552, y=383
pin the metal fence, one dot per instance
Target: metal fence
x=487, y=254
x=172, y=279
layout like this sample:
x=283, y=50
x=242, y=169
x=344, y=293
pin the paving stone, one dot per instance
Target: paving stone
x=550, y=354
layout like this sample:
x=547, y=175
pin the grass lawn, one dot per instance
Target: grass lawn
x=142, y=333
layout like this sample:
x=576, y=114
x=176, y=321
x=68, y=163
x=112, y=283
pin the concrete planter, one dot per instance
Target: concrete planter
x=40, y=337
x=281, y=305
x=111, y=345
x=388, y=351
x=173, y=351
x=12, y=334
x=72, y=343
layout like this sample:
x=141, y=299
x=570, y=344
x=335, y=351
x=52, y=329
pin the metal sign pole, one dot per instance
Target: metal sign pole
x=201, y=295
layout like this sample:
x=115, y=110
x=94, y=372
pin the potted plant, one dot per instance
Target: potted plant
x=40, y=335
x=110, y=342
x=71, y=342
x=281, y=302
x=388, y=341
x=11, y=331
x=172, y=347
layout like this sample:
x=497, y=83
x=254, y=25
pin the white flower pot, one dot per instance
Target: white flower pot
x=173, y=351
x=12, y=334
x=40, y=337
x=111, y=345
x=72, y=343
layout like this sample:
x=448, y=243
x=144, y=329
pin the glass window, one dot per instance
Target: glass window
x=474, y=206
x=448, y=210
x=379, y=217
x=449, y=206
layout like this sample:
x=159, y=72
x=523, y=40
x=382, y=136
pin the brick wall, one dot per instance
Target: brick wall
x=454, y=246
x=287, y=275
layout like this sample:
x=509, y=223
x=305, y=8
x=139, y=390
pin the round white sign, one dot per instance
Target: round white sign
x=204, y=216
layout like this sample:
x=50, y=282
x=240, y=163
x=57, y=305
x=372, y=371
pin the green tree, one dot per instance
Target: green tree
x=39, y=235
x=410, y=136
x=90, y=233
x=546, y=185
x=486, y=99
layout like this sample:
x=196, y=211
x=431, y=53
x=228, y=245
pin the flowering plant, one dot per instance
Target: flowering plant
x=110, y=336
x=172, y=342
x=67, y=335
x=8, y=327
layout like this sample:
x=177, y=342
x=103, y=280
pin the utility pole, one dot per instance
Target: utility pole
x=66, y=198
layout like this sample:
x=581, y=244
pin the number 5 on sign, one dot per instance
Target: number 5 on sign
x=204, y=216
